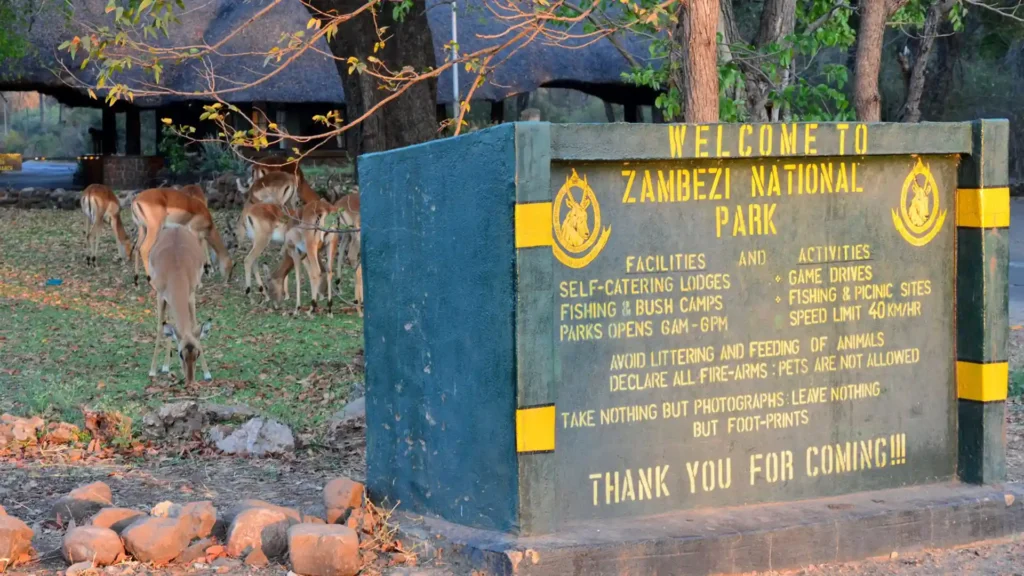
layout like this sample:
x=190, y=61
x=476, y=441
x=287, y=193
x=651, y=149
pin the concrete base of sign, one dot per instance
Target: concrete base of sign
x=738, y=539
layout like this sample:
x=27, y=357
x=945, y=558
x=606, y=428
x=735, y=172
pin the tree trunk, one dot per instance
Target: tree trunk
x=911, y=111
x=866, y=98
x=409, y=119
x=697, y=66
x=940, y=84
x=778, y=20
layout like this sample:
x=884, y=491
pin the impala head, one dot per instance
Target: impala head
x=189, y=348
x=126, y=249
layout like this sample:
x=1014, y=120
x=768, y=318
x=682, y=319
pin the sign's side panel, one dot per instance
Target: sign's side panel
x=751, y=330
x=438, y=257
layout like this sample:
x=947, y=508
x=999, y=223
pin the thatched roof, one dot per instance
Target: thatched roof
x=314, y=78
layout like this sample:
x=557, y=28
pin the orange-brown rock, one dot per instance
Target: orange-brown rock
x=262, y=529
x=81, y=503
x=323, y=550
x=202, y=515
x=15, y=541
x=117, y=519
x=95, y=544
x=157, y=540
x=343, y=493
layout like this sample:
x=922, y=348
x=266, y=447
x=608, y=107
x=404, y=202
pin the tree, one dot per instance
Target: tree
x=874, y=14
x=411, y=118
x=698, y=67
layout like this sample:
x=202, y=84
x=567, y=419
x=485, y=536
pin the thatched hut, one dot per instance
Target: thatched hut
x=312, y=85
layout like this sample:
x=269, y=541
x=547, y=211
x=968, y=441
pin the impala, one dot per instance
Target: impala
x=280, y=165
x=273, y=188
x=101, y=205
x=176, y=265
x=348, y=215
x=195, y=191
x=264, y=223
x=158, y=208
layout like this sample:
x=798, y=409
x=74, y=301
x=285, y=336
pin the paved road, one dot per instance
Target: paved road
x=40, y=175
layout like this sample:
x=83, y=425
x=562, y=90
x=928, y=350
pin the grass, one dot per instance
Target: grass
x=88, y=341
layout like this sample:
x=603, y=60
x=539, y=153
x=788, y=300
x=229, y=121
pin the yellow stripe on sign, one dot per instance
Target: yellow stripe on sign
x=533, y=225
x=982, y=382
x=983, y=207
x=535, y=429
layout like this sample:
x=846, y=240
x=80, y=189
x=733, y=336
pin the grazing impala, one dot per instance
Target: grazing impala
x=101, y=205
x=272, y=164
x=273, y=188
x=195, y=191
x=158, y=208
x=264, y=223
x=176, y=264
x=348, y=215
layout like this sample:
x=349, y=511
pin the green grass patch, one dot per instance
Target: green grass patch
x=89, y=340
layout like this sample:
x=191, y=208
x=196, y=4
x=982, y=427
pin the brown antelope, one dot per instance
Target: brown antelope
x=347, y=208
x=101, y=205
x=195, y=191
x=348, y=215
x=158, y=208
x=298, y=232
x=279, y=165
x=273, y=188
x=176, y=266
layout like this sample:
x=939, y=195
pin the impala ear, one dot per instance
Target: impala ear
x=204, y=330
x=170, y=332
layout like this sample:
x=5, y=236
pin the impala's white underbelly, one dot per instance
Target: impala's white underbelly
x=277, y=236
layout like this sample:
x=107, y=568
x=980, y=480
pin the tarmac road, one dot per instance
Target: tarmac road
x=1016, y=261
x=36, y=174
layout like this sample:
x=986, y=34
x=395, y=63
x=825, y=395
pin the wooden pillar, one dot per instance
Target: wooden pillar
x=133, y=132
x=522, y=102
x=631, y=113
x=609, y=112
x=109, y=130
x=497, y=112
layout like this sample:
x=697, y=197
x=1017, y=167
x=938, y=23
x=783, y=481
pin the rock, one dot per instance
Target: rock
x=217, y=433
x=79, y=568
x=312, y=520
x=15, y=541
x=1009, y=498
x=176, y=420
x=166, y=509
x=62, y=433
x=257, y=559
x=28, y=190
x=81, y=503
x=329, y=550
x=195, y=552
x=101, y=546
x=347, y=428
x=117, y=519
x=340, y=496
x=258, y=529
x=228, y=413
x=22, y=429
x=259, y=437
x=157, y=540
x=202, y=515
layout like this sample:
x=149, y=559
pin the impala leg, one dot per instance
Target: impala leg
x=147, y=247
x=159, y=334
x=140, y=235
x=195, y=322
x=359, y=289
x=97, y=228
x=259, y=244
x=298, y=280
